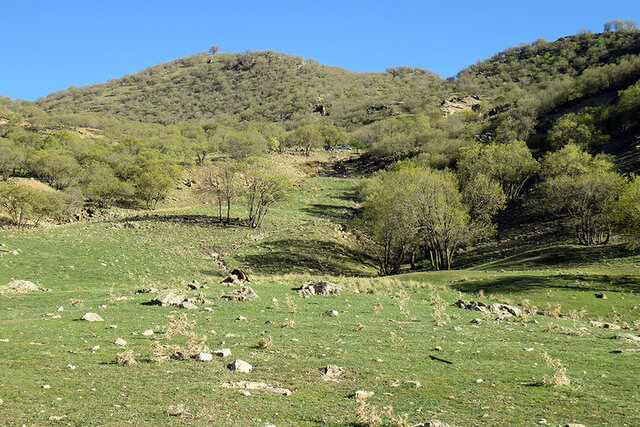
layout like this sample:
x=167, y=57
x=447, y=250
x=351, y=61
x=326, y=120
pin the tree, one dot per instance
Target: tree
x=308, y=137
x=623, y=212
x=618, y=24
x=103, y=187
x=510, y=164
x=222, y=182
x=264, y=187
x=214, y=49
x=11, y=158
x=57, y=168
x=23, y=203
x=156, y=173
x=579, y=129
x=581, y=186
x=485, y=198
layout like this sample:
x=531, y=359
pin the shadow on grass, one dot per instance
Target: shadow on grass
x=563, y=255
x=206, y=220
x=304, y=256
x=331, y=212
x=578, y=282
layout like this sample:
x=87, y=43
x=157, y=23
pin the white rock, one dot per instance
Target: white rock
x=148, y=332
x=332, y=313
x=72, y=367
x=479, y=380
x=204, y=357
x=241, y=366
x=241, y=318
x=61, y=308
x=245, y=392
x=120, y=342
x=95, y=348
x=208, y=309
x=224, y=352
x=362, y=394
x=46, y=386
x=92, y=317
x=113, y=326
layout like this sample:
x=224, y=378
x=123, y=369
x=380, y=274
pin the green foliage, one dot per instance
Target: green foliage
x=155, y=175
x=510, y=164
x=24, y=204
x=222, y=183
x=623, y=212
x=581, y=186
x=103, y=187
x=264, y=186
x=579, y=129
x=12, y=157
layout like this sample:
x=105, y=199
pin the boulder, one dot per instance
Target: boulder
x=224, y=352
x=241, y=294
x=204, y=357
x=432, y=423
x=331, y=313
x=92, y=317
x=332, y=373
x=167, y=297
x=362, y=394
x=241, y=366
x=320, y=287
x=255, y=385
x=120, y=342
x=601, y=295
x=19, y=287
x=148, y=332
x=188, y=305
x=627, y=337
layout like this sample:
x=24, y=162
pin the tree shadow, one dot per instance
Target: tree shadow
x=331, y=212
x=204, y=220
x=577, y=282
x=303, y=256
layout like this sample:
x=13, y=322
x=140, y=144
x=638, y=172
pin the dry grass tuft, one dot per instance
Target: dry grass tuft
x=560, y=375
x=126, y=358
x=266, y=342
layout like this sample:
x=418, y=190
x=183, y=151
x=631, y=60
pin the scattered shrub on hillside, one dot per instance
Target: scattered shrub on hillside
x=559, y=377
x=266, y=342
x=126, y=358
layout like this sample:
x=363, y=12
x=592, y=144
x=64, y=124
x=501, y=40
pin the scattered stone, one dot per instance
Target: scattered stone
x=240, y=366
x=113, y=326
x=57, y=417
x=362, y=394
x=574, y=425
x=601, y=295
x=456, y=328
x=146, y=291
x=189, y=305
x=476, y=321
x=438, y=348
x=605, y=325
x=95, y=348
x=60, y=308
x=320, y=287
x=72, y=367
x=229, y=335
x=331, y=313
x=627, y=337
x=255, y=385
x=148, y=332
x=194, y=285
x=224, y=352
x=332, y=373
x=240, y=318
x=502, y=310
x=19, y=287
x=120, y=342
x=479, y=380
x=529, y=349
x=415, y=383
x=432, y=423
x=92, y=317
x=204, y=357
x=245, y=392
x=241, y=294
x=1, y=401
x=236, y=277
x=46, y=386
x=208, y=309
x=177, y=410
x=167, y=297
x=4, y=340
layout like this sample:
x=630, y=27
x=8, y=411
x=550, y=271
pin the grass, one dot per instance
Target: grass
x=383, y=336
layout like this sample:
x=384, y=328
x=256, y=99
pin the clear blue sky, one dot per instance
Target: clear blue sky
x=50, y=45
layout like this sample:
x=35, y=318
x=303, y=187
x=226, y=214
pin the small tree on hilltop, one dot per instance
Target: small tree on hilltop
x=214, y=49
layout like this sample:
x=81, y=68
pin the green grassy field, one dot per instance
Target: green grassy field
x=383, y=336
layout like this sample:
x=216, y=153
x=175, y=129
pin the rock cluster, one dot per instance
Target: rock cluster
x=241, y=294
x=174, y=298
x=320, y=287
x=502, y=310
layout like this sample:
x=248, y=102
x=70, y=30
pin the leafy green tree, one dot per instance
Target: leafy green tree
x=510, y=164
x=59, y=169
x=579, y=185
x=264, y=186
x=485, y=198
x=24, y=204
x=577, y=129
x=103, y=187
x=308, y=137
x=623, y=212
x=214, y=49
x=332, y=136
x=156, y=174
x=11, y=158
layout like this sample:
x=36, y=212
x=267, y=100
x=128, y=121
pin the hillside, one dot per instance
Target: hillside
x=255, y=86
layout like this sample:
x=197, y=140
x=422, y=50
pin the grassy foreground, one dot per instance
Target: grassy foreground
x=383, y=336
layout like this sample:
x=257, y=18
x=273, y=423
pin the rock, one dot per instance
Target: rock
x=627, y=337
x=456, y=328
x=241, y=294
x=60, y=308
x=320, y=287
x=241, y=318
x=92, y=317
x=331, y=313
x=432, y=423
x=167, y=297
x=95, y=348
x=46, y=386
x=601, y=295
x=255, y=385
x=605, y=325
x=1, y=401
x=194, y=285
x=479, y=380
x=120, y=342
x=245, y=392
x=574, y=425
x=208, y=309
x=204, y=357
x=332, y=373
x=177, y=410
x=224, y=352
x=113, y=326
x=438, y=348
x=146, y=291
x=72, y=367
x=241, y=366
x=19, y=287
x=57, y=417
x=148, y=332
x=189, y=305
x=502, y=310
x=528, y=349
x=476, y=321
x=362, y=394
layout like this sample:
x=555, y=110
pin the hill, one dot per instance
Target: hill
x=255, y=86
